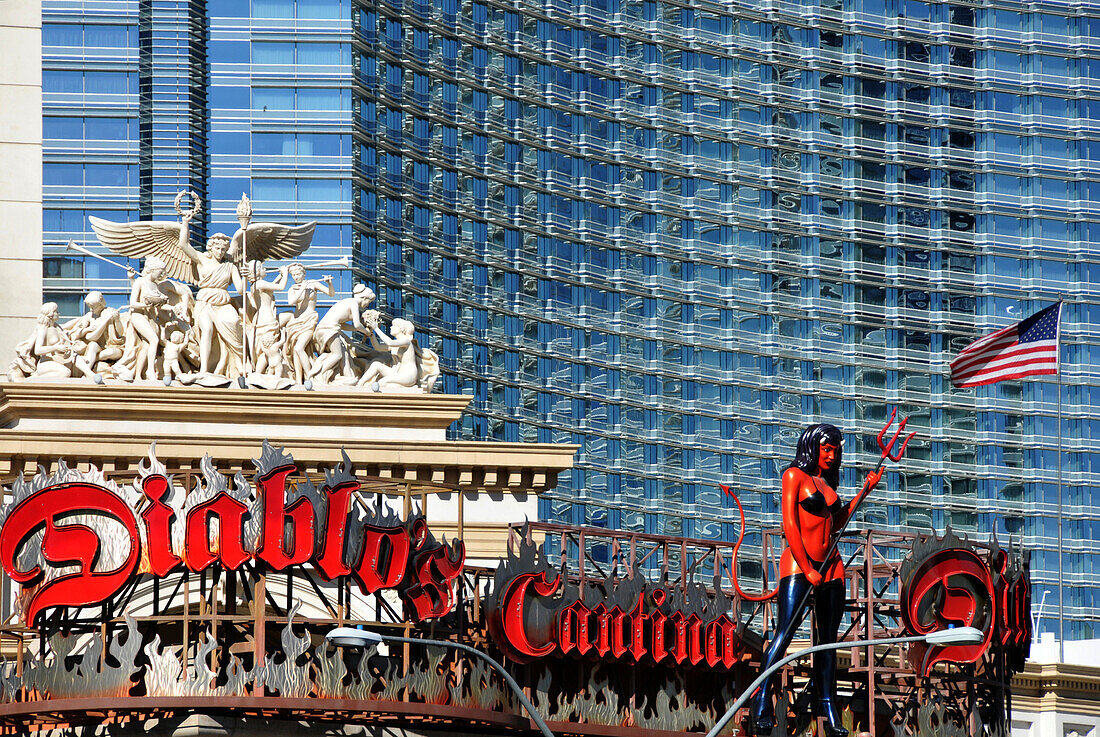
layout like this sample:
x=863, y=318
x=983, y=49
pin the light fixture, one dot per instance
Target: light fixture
x=353, y=637
x=955, y=636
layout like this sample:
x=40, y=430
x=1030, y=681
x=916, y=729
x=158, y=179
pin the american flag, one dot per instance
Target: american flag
x=1028, y=348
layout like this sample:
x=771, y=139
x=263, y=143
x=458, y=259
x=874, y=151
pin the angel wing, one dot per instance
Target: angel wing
x=147, y=238
x=272, y=241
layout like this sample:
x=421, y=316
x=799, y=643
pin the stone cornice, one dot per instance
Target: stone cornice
x=1062, y=678
x=78, y=400
x=1065, y=688
x=399, y=437
x=453, y=463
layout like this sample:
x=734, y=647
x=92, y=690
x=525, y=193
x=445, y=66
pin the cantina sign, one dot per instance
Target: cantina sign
x=535, y=611
x=75, y=539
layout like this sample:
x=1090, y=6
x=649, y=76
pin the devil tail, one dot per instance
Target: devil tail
x=737, y=546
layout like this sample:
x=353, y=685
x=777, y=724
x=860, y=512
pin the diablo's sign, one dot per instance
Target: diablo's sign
x=75, y=539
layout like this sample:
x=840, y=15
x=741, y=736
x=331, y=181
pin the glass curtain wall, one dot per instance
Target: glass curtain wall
x=280, y=119
x=143, y=99
x=675, y=234
x=91, y=130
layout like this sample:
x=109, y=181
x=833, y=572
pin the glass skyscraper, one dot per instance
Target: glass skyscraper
x=673, y=234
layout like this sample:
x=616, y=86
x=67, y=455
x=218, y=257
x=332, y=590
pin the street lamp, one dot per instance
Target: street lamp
x=355, y=637
x=953, y=636
x=1038, y=618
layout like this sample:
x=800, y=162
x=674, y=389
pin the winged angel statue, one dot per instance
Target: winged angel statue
x=217, y=320
x=170, y=333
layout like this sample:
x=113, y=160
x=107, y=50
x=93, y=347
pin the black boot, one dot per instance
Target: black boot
x=832, y=725
x=790, y=593
x=828, y=609
x=763, y=715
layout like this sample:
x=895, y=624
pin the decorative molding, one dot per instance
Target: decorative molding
x=396, y=437
x=73, y=400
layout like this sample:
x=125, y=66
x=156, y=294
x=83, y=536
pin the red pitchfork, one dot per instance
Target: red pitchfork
x=888, y=447
x=887, y=452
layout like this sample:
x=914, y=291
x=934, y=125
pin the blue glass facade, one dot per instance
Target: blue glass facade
x=675, y=235
x=145, y=98
x=280, y=117
x=91, y=130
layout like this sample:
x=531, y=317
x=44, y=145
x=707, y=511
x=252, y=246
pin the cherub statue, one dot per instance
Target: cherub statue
x=217, y=318
x=332, y=351
x=271, y=358
x=174, y=346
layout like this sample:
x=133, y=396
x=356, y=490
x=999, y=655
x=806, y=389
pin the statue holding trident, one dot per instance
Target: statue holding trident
x=811, y=569
x=209, y=318
x=218, y=318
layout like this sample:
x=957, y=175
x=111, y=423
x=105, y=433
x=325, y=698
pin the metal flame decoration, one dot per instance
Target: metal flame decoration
x=75, y=667
x=286, y=675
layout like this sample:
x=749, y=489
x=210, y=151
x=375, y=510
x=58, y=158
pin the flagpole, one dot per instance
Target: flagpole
x=1061, y=588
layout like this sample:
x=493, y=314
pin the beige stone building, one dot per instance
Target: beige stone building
x=1053, y=699
x=20, y=171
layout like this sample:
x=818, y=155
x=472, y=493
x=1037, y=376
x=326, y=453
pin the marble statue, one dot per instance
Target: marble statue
x=174, y=346
x=302, y=295
x=266, y=325
x=410, y=368
x=213, y=318
x=218, y=321
x=99, y=334
x=146, y=301
x=333, y=350
x=49, y=351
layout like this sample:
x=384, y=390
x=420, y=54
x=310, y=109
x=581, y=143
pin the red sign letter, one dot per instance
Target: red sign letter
x=330, y=551
x=62, y=545
x=273, y=546
x=512, y=606
x=158, y=526
x=952, y=587
x=432, y=595
x=385, y=557
x=228, y=548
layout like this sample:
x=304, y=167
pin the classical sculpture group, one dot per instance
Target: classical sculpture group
x=170, y=332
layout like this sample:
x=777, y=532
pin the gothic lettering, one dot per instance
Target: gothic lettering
x=384, y=559
x=275, y=549
x=212, y=532
x=330, y=552
x=510, y=616
x=158, y=518
x=432, y=595
x=203, y=548
x=573, y=628
x=68, y=545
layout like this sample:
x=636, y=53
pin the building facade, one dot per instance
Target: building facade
x=671, y=234
x=21, y=198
